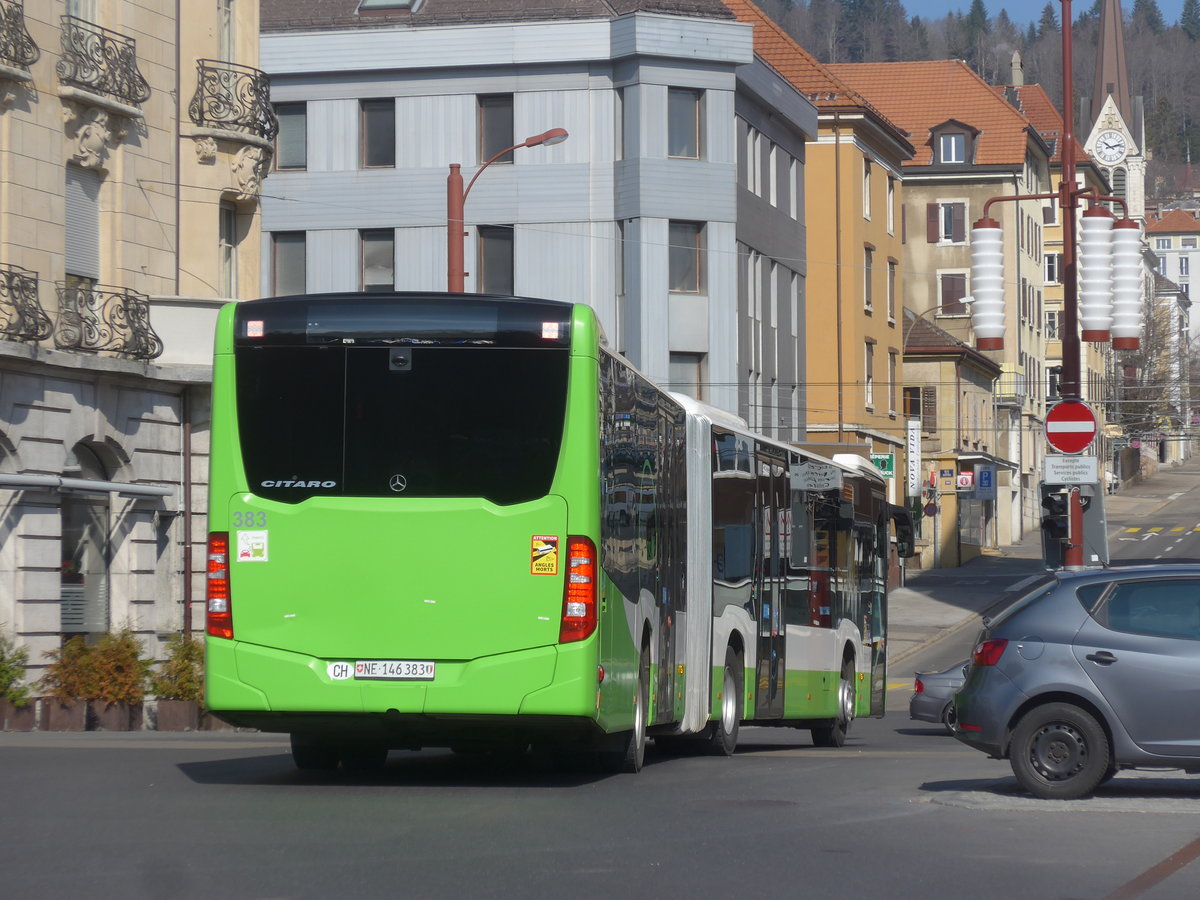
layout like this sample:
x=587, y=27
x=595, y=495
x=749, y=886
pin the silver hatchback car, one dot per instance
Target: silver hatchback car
x=1089, y=673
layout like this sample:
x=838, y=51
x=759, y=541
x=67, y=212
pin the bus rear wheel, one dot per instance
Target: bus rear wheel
x=723, y=733
x=834, y=734
x=632, y=744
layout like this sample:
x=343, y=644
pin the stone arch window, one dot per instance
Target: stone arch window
x=86, y=547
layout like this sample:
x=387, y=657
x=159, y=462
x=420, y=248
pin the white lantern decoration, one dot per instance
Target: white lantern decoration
x=1095, y=274
x=987, y=284
x=1127, y=285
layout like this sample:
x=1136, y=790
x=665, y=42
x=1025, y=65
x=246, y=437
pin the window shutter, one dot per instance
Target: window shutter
x=932, y=223
x=929, y=409
x=959, y=211
x=82, y=248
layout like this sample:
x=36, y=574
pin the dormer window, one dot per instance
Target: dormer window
x=952, y=148
x=389, y=5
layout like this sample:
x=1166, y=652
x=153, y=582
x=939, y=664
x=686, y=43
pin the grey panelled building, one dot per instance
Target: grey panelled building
x=674, y=207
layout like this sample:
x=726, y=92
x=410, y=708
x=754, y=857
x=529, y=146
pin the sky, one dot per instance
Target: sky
x=1024, y=11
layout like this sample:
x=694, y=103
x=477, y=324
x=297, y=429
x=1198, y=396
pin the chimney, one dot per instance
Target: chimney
x=1018, y=71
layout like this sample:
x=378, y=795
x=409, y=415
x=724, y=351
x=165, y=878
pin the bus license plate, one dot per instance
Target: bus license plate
x=393, y=670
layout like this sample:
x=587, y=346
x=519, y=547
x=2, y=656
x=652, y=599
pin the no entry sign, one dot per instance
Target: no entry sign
x=1070, y=426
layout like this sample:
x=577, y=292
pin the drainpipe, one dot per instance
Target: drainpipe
x=837, y=242
x=186, y=509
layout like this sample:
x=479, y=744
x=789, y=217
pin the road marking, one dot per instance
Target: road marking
x=1176, y=496
x=1157, y=529
x=1156, y=874
x=1177, y=529
x=1132, y=530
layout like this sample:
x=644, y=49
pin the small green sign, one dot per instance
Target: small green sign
x=886, y=463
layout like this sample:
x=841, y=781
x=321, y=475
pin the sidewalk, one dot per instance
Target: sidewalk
x=937, y=603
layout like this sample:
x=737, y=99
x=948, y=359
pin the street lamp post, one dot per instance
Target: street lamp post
x=456, y=199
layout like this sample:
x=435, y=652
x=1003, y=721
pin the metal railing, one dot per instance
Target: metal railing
x=17, y=48
x=233, y=97
x=21, y=314
x=103, y=318
x=101, y=61
x=1011, y=389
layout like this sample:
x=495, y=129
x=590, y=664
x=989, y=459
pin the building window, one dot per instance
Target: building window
x=869, y=374
x=85, y=548
x=952, y=148
x=1184, y=265
x=1053, y=320
x=288, y=263
x=1052, y=267
x=1162, y=243
x=82, y=9
x=1049, y=215
x=496, y=259
x=227, y=237
x=495, y=126
x=891, y=205
x=946, y=223
x=377, y=253
x=226, y=36
x=952, y=287
x=893, y=268
x=868, y=276
x=866, y=187
x=684, y=122
x=921, y=403
x=893, y=369
x=291, y=143
x=1188, y=243
x=619, y=123
x=685, y=375
x=1160, y=266
x=684, y=255
x=82, y=244
x=377, y=136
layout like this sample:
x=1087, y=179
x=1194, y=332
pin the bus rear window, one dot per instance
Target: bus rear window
x=418, y=421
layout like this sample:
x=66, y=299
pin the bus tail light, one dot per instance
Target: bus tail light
x=218, y=616
x=579, y=594
x=988, y=652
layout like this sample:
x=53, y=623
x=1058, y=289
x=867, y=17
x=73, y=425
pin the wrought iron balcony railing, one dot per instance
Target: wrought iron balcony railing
x=101, y=61
x=233, y=97
x=100, y=317
x=21, y=315
x=17, y=48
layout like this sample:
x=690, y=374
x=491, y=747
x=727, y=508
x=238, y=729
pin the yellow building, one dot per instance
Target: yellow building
x=853, y=341
x=132, y=147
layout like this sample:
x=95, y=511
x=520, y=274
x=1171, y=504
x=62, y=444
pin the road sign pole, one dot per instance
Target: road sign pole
x=1073, y=552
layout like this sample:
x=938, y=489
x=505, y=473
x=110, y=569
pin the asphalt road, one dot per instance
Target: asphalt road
x=903, y=811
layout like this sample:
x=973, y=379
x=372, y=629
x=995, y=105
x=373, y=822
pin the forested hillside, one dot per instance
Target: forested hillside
x=1163, y=57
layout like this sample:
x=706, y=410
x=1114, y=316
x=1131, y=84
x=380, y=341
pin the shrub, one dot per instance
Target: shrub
x=111, y=670
x=181, y=675
x=12, y=672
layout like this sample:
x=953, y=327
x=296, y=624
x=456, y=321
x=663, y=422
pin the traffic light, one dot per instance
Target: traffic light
x=1055, y=525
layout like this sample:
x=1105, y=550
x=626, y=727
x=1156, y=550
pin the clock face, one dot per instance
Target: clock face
x=1110, y=146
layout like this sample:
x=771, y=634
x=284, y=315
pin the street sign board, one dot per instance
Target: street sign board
x=966, y=481
x=985, y=482
x=886, y=463
x=815, y=476
x=1070, y=426
x=1071, y=470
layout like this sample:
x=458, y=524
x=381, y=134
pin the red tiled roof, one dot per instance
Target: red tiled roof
x=801, y=69
x=1041, y=112
x=1177, y=221
x=919, y=96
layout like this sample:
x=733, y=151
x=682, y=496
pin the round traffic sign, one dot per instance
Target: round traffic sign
x=931, y=509
x=1070, y=426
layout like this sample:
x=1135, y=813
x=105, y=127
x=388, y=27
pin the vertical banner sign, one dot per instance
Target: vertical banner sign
x=914, y=457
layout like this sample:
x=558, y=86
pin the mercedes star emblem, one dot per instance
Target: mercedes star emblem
x=398, y=483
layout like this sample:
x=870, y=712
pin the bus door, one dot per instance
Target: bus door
x=669, y=518
x=875, y=627
x=771, y=508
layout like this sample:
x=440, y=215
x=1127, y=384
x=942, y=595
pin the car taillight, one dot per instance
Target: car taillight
x=218, y=616
x=918, y=686
x=579, y=593
x=988, y=652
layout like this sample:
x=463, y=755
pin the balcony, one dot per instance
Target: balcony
x=232, y=97
x=21, y=315
x=107, y=319
x=17, y=50
x=100, y=62
x=1011, y=389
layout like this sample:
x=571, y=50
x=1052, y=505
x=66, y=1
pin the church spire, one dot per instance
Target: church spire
x=1112, y=76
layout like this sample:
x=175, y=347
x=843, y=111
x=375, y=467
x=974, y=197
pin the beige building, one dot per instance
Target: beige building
x=132, y=147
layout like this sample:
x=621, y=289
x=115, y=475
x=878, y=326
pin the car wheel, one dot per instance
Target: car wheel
x=949, y=717
x=1059, y=752
x=313, y=755
x=723, y=733
x=835, y=735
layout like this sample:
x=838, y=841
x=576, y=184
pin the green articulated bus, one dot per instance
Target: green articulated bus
x=462, y=521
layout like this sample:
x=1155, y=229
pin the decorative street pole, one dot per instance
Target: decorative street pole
x=456, y=199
